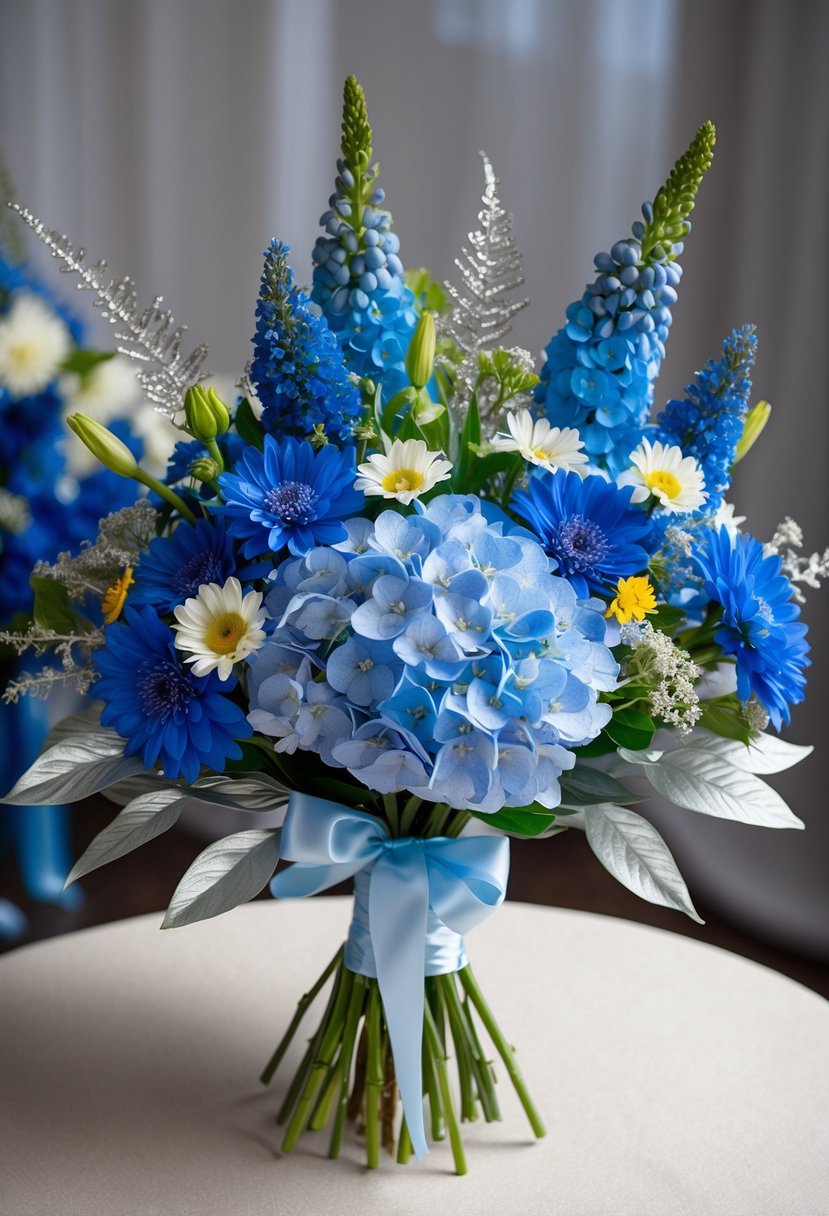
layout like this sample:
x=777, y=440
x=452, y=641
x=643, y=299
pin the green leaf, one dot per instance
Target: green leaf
x=666, y=618
x=471, y=435
x=248, y=425
x=519, y=820
x=631, y=728
x=84, y=361
x=427, y=292
x=584, y=786
x=51, y=610
x=484, y=467
x=725, y=716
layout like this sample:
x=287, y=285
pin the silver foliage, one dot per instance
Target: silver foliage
x=229, y=872
x=76, y=767
x=141, y=820
x=150, y=336
x=491, y=268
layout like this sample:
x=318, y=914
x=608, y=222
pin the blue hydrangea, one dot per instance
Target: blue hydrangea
x=759, y=621
x=587, y=526
x=289, y=496
x=431, y=653
x=297, y=366
x=167, y=715
x=358, y=276
x=708, y=422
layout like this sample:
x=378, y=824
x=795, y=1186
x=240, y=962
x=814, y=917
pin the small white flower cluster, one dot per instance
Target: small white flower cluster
x=14, y=512
x=677, y=538
x=755, y=714
x=797, y=568
x=674, y=699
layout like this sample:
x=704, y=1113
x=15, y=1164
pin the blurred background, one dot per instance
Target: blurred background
x=176, y=137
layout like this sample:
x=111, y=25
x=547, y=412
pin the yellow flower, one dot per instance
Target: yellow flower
x=114, y=596
x=634, y=599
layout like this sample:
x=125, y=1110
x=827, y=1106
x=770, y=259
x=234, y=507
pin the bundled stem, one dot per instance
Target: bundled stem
x=347, y=1071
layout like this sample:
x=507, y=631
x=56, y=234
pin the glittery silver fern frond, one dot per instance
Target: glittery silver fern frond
x=491, y=268
x=149, y=336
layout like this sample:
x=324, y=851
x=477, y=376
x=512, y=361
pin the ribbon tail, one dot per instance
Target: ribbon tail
x=398, y=912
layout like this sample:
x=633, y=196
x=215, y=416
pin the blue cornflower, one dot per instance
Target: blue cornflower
x=297, y=367
x=290, y=495
x=153, y=701
x=358, y=276
x=601, y=365
x=759, y=621
x=587, y=526
x=708, y=422
x=174, y=567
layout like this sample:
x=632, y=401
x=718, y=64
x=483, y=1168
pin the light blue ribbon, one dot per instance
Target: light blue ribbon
x=412, y=883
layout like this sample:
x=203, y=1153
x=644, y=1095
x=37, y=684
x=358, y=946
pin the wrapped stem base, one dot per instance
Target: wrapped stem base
x=347, y=1071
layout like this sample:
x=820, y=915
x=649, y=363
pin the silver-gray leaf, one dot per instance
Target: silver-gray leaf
x=141, y=820
x=81, y=723
x=229, y=872
x=79, y=766
x=632, y=851
x=712, y=785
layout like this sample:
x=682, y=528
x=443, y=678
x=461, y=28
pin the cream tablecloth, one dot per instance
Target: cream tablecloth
x=675, y=1078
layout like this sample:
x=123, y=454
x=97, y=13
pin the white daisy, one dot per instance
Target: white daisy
x=551, y=447
x=724, y=517
x=661, y=470
x=219, y=627
x=33, y=344
x=406, y=470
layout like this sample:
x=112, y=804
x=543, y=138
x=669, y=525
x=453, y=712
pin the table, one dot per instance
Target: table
x=675, y=1078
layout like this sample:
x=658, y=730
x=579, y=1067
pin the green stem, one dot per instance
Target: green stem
x=375, y=1078
x=404, y=1144
x=409, y=814
x=430, y=1086
x=435, y=1047
x=483, y=1069
x=152, y=483
x=446, y=987
x=213, y=448
x=301, y=1010
x=352, y=1022
x=390, y=807
x=323, y=1058
x=503, y=1048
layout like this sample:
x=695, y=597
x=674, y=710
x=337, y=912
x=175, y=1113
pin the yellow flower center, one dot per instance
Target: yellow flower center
x=666, y=482
x=225, y=632
x=114, y=596
x=401, y=480
x=634, y=599
x=22, y=355
x=542, y=453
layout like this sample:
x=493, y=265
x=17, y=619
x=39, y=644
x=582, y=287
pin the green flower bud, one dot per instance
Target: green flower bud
x=753, y=428
x=420, y=357
x=206, y=414
x=108, y=448
x=425, y=410
x=205, y=468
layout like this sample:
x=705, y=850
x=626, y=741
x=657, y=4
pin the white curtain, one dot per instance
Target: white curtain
x=177, y=136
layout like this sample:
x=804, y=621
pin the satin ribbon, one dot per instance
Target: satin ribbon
x=458, y=881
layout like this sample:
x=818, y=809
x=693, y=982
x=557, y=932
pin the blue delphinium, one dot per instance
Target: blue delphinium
x=708, y=423
x=358, y=276
x=600, y=367
x=298, y=367
x=759, y=621
x=433, y=654
x=174, y=567
x=289, y=496
x=165, y=713
x=587, y=526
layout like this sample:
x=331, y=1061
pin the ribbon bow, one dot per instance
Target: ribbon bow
x=460, y=880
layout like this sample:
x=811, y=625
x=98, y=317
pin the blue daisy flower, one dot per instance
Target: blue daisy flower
x=165, y=713
x=587, y=526
x=759, y=622
x=290, y=495
x=174, y=567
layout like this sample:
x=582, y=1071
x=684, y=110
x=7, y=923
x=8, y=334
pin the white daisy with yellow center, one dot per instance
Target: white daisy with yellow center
x=661, y=471
x=550, y=447
x=219, y=627
x=33, y=345
x=406, y=470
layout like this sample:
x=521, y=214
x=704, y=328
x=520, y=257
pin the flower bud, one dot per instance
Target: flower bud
x=206, y=414
x=753, y=428
x=204, y=468
x=108, y=448
x=420, y=356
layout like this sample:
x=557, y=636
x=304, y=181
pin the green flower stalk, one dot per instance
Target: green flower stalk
x=116, y=456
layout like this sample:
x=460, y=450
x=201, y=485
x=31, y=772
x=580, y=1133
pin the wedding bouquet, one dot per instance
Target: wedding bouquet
x=425, y=599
